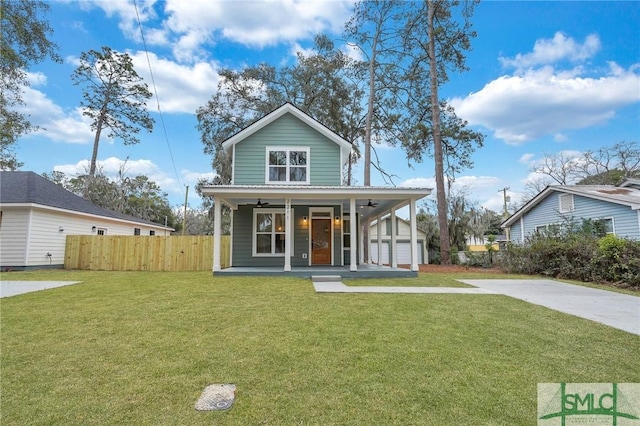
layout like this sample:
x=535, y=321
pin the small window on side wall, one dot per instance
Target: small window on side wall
x=101, y=231
x=136, y=231
x=152, y=232
x=566, y=203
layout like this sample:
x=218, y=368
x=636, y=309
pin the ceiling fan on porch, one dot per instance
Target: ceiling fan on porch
x=370, y=204
x=260, y=203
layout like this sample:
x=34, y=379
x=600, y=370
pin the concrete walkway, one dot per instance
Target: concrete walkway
x=333, y=284
x=13, y=288
x=616, y=310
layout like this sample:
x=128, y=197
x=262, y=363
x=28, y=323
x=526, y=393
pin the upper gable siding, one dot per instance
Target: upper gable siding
x=547, y=212
x=250, y=161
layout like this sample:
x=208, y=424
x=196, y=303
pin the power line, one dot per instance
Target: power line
x=155, y=90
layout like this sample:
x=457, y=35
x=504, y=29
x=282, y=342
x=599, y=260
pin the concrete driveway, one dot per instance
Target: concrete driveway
x=616, y=310
x=13, y=288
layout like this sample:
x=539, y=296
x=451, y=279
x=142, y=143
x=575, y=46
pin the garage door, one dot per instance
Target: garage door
x=385, y=252
x=404, y=252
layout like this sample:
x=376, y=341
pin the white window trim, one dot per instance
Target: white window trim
x=560, y=203
x=254, y=233
x=287, y=149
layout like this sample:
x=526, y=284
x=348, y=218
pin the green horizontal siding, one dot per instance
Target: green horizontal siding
x=250, y=161
x=243, y=238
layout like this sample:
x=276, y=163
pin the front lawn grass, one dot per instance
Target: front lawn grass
x=139, y=348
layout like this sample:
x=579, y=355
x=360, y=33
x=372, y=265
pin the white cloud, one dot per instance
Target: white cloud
x=550, y=51
x=192, y=177
x=486, y=191
x=251, y=23
x=419, y=183
x=111, y=167
x=55, y=123
x=181, y=88
x=543, y=102
x=127, y=12
x=526, y=158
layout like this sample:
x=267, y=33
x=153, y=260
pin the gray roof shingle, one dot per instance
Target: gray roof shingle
x=31, y=188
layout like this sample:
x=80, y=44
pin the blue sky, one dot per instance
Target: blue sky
x=545, y=77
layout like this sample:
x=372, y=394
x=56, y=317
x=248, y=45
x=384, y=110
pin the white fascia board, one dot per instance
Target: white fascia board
x=310, y=192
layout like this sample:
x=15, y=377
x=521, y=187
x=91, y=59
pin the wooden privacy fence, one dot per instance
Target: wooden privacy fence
x=143, y=253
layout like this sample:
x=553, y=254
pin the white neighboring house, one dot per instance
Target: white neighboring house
x=36, y=215
x=403, y=237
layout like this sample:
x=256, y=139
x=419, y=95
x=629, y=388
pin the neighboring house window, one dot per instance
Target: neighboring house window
x=608, y=225
x=136, y=231
x=566, y=203
x=287, y=165
x=541, y=228
x=152, y=232
x=269, y=235
x=101, y=231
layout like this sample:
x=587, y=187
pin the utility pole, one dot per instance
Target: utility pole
x=506, y=198
x=505, y=213
x=184, y=216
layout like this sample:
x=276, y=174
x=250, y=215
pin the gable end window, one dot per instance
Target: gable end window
x=566, y=203
x=287, y=165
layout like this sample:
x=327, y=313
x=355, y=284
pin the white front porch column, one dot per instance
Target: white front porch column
x=353, y=245
x=287, y=235
x=394, y=245
x=414, y=236
x=379, y=242
x=217, y=233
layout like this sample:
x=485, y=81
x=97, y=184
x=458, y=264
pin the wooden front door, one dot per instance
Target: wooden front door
x=321, y=241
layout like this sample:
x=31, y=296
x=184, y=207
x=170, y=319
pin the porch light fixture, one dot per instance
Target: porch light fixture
x=93, y=228
x=337, y=219
x=304, y=219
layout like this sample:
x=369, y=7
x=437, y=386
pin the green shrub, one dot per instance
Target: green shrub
x=576, y=252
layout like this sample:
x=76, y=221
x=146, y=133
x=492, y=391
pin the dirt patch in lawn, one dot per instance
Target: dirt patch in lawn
x=452, y=269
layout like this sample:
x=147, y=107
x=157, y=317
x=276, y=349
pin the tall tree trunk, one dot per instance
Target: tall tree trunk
x=94, y=156
x=367, y=138
x=445, y=245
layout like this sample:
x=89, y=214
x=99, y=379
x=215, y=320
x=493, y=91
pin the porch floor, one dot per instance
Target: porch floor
x=364, y=271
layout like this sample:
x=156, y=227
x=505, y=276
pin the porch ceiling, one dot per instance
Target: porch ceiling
x=385, y=198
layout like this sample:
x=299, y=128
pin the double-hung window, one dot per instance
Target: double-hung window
x=287, y=165
x=269, y=232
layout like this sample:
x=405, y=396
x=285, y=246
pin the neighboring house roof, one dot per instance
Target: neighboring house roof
x=626, y=194
x=288, y=108
x=374, y=225
x=31, y=188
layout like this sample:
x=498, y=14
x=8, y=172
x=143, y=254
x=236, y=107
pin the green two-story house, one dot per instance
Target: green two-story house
x=290, y=208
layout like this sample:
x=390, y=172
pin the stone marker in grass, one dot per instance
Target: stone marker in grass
x=216, y=397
